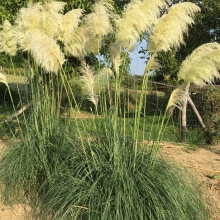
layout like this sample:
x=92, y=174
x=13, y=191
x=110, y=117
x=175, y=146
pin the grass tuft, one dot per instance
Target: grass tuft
x=60, y=181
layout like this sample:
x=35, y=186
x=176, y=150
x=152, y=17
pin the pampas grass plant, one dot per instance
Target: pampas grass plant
x=199, y=68
x=167, y=34
x=202, y=66
x=44, y=50
x=63, y=170
x=138, y=17
x=89, y=82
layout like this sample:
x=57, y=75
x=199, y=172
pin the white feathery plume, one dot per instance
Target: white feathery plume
x=127, y=26
x=99, y=20
x=168, y=32
x=88, y=76
x=138, y=17
x=89, y=80
x=87, y=37
x=44, y=50
x=202, y=66
x=115, y=53
x=52, y=18
x=94, y=83
x=177, y=98
x=152, y=64
x=152, y=9
x=70, y=23
x=8, y=41
x=28, y=19
x=98, y=25
x=43, y=16
x=76, y=45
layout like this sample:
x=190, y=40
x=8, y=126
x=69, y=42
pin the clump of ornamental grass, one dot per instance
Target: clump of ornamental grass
x=61, y=176
x=40, y=133
x=62, y=171
x=125, y=187
x=58, y=167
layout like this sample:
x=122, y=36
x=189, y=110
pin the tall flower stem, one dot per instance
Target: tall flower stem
x=139, y=107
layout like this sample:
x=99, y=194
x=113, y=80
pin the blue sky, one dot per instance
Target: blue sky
x=137, y=64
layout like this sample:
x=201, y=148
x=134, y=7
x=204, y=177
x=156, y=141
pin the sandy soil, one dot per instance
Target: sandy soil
x=204, y=163
x=15, y=213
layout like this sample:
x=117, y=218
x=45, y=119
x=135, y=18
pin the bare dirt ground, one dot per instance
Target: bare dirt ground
x=204, y=163
x=7, y=213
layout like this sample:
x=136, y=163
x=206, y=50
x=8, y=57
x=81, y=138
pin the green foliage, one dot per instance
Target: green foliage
x=9, y=9
x=63, y=178
x=92, y=168
x=84, y=4
x=195, y=137
x=168, y=69
x=212, y=112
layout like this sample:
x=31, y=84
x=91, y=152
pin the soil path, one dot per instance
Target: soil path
x=204, y=163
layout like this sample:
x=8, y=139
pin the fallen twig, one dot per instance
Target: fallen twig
x=17, y=113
